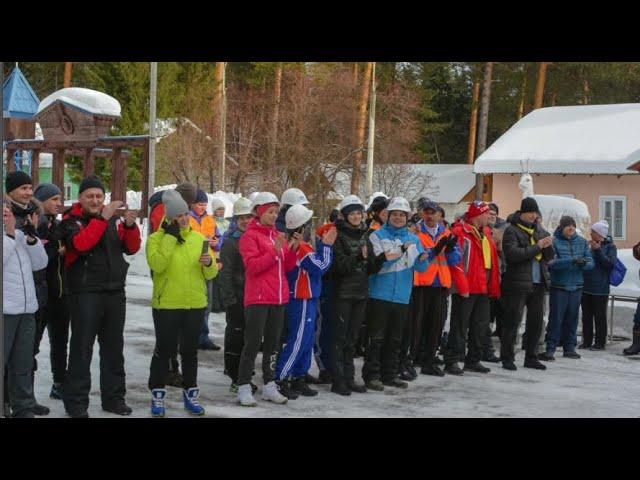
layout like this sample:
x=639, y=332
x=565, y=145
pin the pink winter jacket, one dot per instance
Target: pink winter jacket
x=265, y=279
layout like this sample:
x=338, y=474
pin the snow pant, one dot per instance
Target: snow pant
x=594, y=309
x=513, y=309
x=295, y=360
x=204, y=331
x=262, y=323
x=233, y=340
x=386, y=324
x=469, y=320
x=57, y=320
x=19, y=334
x=100, y=315
x=322, y=346
x=362, y=339
x=169, y=325
x=428, y=322
x=347, y=319
x=563, y=319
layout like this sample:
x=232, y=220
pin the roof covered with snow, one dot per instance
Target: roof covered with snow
x=18, y=98
x=590, y=139
x=84, y=99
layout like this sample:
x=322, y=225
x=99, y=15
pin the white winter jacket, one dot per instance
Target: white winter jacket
x=19, y=261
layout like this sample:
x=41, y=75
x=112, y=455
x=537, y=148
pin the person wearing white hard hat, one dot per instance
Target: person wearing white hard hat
x=218, y=208
x=305, y=282
x=354, y=262
x=267, y=256
x=390, y=293
x=232, y=279
x=290, y=197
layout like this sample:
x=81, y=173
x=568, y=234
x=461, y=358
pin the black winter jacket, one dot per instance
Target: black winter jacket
x=350, y=270
x=518, y=254
x=596, y=280
x=232, y=273
x=49, y=232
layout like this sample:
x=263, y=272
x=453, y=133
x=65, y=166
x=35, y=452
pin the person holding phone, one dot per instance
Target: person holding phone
x=182, y=261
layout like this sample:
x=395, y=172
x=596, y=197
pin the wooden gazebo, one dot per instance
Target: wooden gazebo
x=76, y=121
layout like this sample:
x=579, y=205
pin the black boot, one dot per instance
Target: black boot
x=40, y=410
x=300, y=386
x=509, y=365
x=286, y=390
x=534, y=363
x=118, y=407
x=395, y=382
x=634, y=349
x=476, y=367
x=490, y=357
x=340, y=387
x=354, y=387
x=431, y=369
x=310, y=379
x=453, y=369
x=324, y=378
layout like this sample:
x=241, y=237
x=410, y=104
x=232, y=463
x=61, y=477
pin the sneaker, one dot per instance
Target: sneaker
x=119, y=408
x=573, y=355
x=534, y=363
x=57, y=391
x=395, y=382
x=546, y=357
x=191, y=404
x=324, y=378
x=375, y=385
x=300, y=386
x=341, y=388
x=491, y=358
x=40, y=410
x=174, y=379
x=431, y=369
x=157, y=402
x=245, y=396
x=476, y=367
x=354, y=387
x=509, y=365
x=284, y=386
x=270, y=393
x=453, y=369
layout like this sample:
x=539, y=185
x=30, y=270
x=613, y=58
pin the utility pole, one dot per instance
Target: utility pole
x=152, y=128
x=2, y=346
x=223, y=129
x=372, y=132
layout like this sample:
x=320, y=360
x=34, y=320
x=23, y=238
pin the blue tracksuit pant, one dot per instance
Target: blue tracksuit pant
x=295, y=359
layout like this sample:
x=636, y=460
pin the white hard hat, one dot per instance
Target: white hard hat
x=297, y=216
x=294, y=196
x=399, y=203
x=253, y=195
x=262, y=198
x=242, y=206
x=216, y=203
x=375, y=195
x=350, y=200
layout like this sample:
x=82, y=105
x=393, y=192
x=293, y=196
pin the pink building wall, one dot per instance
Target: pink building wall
x=584, y=187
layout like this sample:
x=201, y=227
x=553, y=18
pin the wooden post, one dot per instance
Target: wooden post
x=35, y=167
x=11, y=164
x=57, y=174
x=118, y=175
x=145, y=179
x=473, y=126
x=89, y=165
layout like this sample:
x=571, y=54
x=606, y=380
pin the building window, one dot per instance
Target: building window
x=613, y=209
x=67, y=191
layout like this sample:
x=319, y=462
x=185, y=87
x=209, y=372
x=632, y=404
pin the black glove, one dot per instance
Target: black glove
x=173, y=229
x=440, y=245
x=451, y=244
x=29, y=230
x=580, y=261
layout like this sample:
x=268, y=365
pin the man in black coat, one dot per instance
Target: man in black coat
x=527, y=248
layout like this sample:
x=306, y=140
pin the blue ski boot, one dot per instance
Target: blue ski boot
x=157, y=401
x=190, y=397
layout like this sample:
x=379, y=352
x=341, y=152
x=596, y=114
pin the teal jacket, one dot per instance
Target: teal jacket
x=565, y=272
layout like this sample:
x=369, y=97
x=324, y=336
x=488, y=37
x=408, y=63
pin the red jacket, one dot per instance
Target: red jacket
x=470, y=276
x=265, y=279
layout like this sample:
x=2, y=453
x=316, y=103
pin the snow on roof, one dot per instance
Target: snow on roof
x=90, y=101
x=590, y=139
x=442, y=183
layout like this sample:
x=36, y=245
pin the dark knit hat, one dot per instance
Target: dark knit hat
x=16, y=180
x=45, y=191
x=188, y=192
x=378, y=204
x=566, y=221
x=91, y=181
x=201, y=197
x=528, y=205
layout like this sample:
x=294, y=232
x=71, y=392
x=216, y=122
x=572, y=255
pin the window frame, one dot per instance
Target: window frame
x=613, y=199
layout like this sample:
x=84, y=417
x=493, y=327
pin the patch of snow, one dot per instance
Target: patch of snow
x=85, y=99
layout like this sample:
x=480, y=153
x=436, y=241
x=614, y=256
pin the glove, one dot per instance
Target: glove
x=440, y=245
x=173, y=229
x=29, y=230
x=451, y=244
x=580, y=261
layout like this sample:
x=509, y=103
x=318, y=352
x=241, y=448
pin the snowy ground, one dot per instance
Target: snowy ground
x=601, y=384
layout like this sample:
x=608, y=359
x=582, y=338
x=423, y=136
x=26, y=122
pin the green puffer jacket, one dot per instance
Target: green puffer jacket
x=178, y=276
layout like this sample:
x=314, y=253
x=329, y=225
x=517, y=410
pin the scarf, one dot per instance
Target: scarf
x=530, y=232
x=486, y=246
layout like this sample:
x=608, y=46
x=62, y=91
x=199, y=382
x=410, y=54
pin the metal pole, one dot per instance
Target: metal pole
x=223, y=129
x=2, y=239
x=152, y=128
x=372, y=132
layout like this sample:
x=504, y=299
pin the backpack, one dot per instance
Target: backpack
x=616, y=277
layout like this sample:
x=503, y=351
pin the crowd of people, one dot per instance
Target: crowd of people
x=375, y=281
